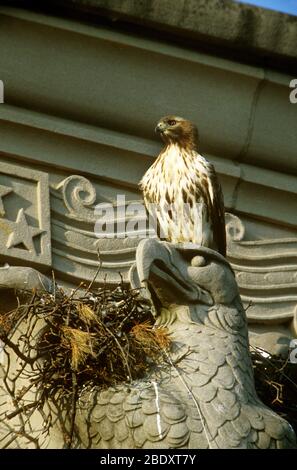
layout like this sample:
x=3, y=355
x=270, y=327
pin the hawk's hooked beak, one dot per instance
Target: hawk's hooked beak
x=160, y=128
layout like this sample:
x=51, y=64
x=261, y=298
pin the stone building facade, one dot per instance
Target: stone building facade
x=84, y=84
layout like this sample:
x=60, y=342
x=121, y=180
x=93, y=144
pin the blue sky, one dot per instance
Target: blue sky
x=286, y=6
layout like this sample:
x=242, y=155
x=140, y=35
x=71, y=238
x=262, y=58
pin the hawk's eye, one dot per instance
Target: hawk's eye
x=172, y=122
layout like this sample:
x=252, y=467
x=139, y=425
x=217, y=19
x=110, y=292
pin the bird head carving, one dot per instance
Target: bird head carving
x=161, y=267
x=177, y=130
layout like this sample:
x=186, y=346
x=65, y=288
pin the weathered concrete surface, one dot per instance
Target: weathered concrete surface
x=23, y=278
x=211, y=21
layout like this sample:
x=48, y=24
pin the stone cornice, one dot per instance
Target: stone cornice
x=244, y=32
x=243, y=112
x=237, y=25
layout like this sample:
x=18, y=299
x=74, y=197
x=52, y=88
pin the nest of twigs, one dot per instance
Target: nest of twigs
x=105, y=337
x=276, y=383
x=67, y=342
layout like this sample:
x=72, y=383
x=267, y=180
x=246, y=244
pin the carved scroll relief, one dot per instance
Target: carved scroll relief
x=24, y=216
x=266, y=273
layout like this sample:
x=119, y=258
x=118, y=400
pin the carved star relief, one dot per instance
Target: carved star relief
x=4, y=190
x=22, y=232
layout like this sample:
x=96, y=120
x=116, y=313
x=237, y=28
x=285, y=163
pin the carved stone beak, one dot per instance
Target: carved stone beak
x=160, y=265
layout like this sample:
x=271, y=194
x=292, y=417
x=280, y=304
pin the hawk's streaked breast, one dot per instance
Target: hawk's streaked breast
x=187, y=196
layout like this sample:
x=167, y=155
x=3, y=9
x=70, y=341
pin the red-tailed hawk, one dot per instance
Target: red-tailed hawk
x=182, y=191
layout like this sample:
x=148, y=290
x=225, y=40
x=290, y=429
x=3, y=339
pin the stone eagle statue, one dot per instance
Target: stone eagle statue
x=204, y=397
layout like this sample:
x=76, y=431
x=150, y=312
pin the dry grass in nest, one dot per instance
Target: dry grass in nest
x=81, y=344
x=150, y=338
